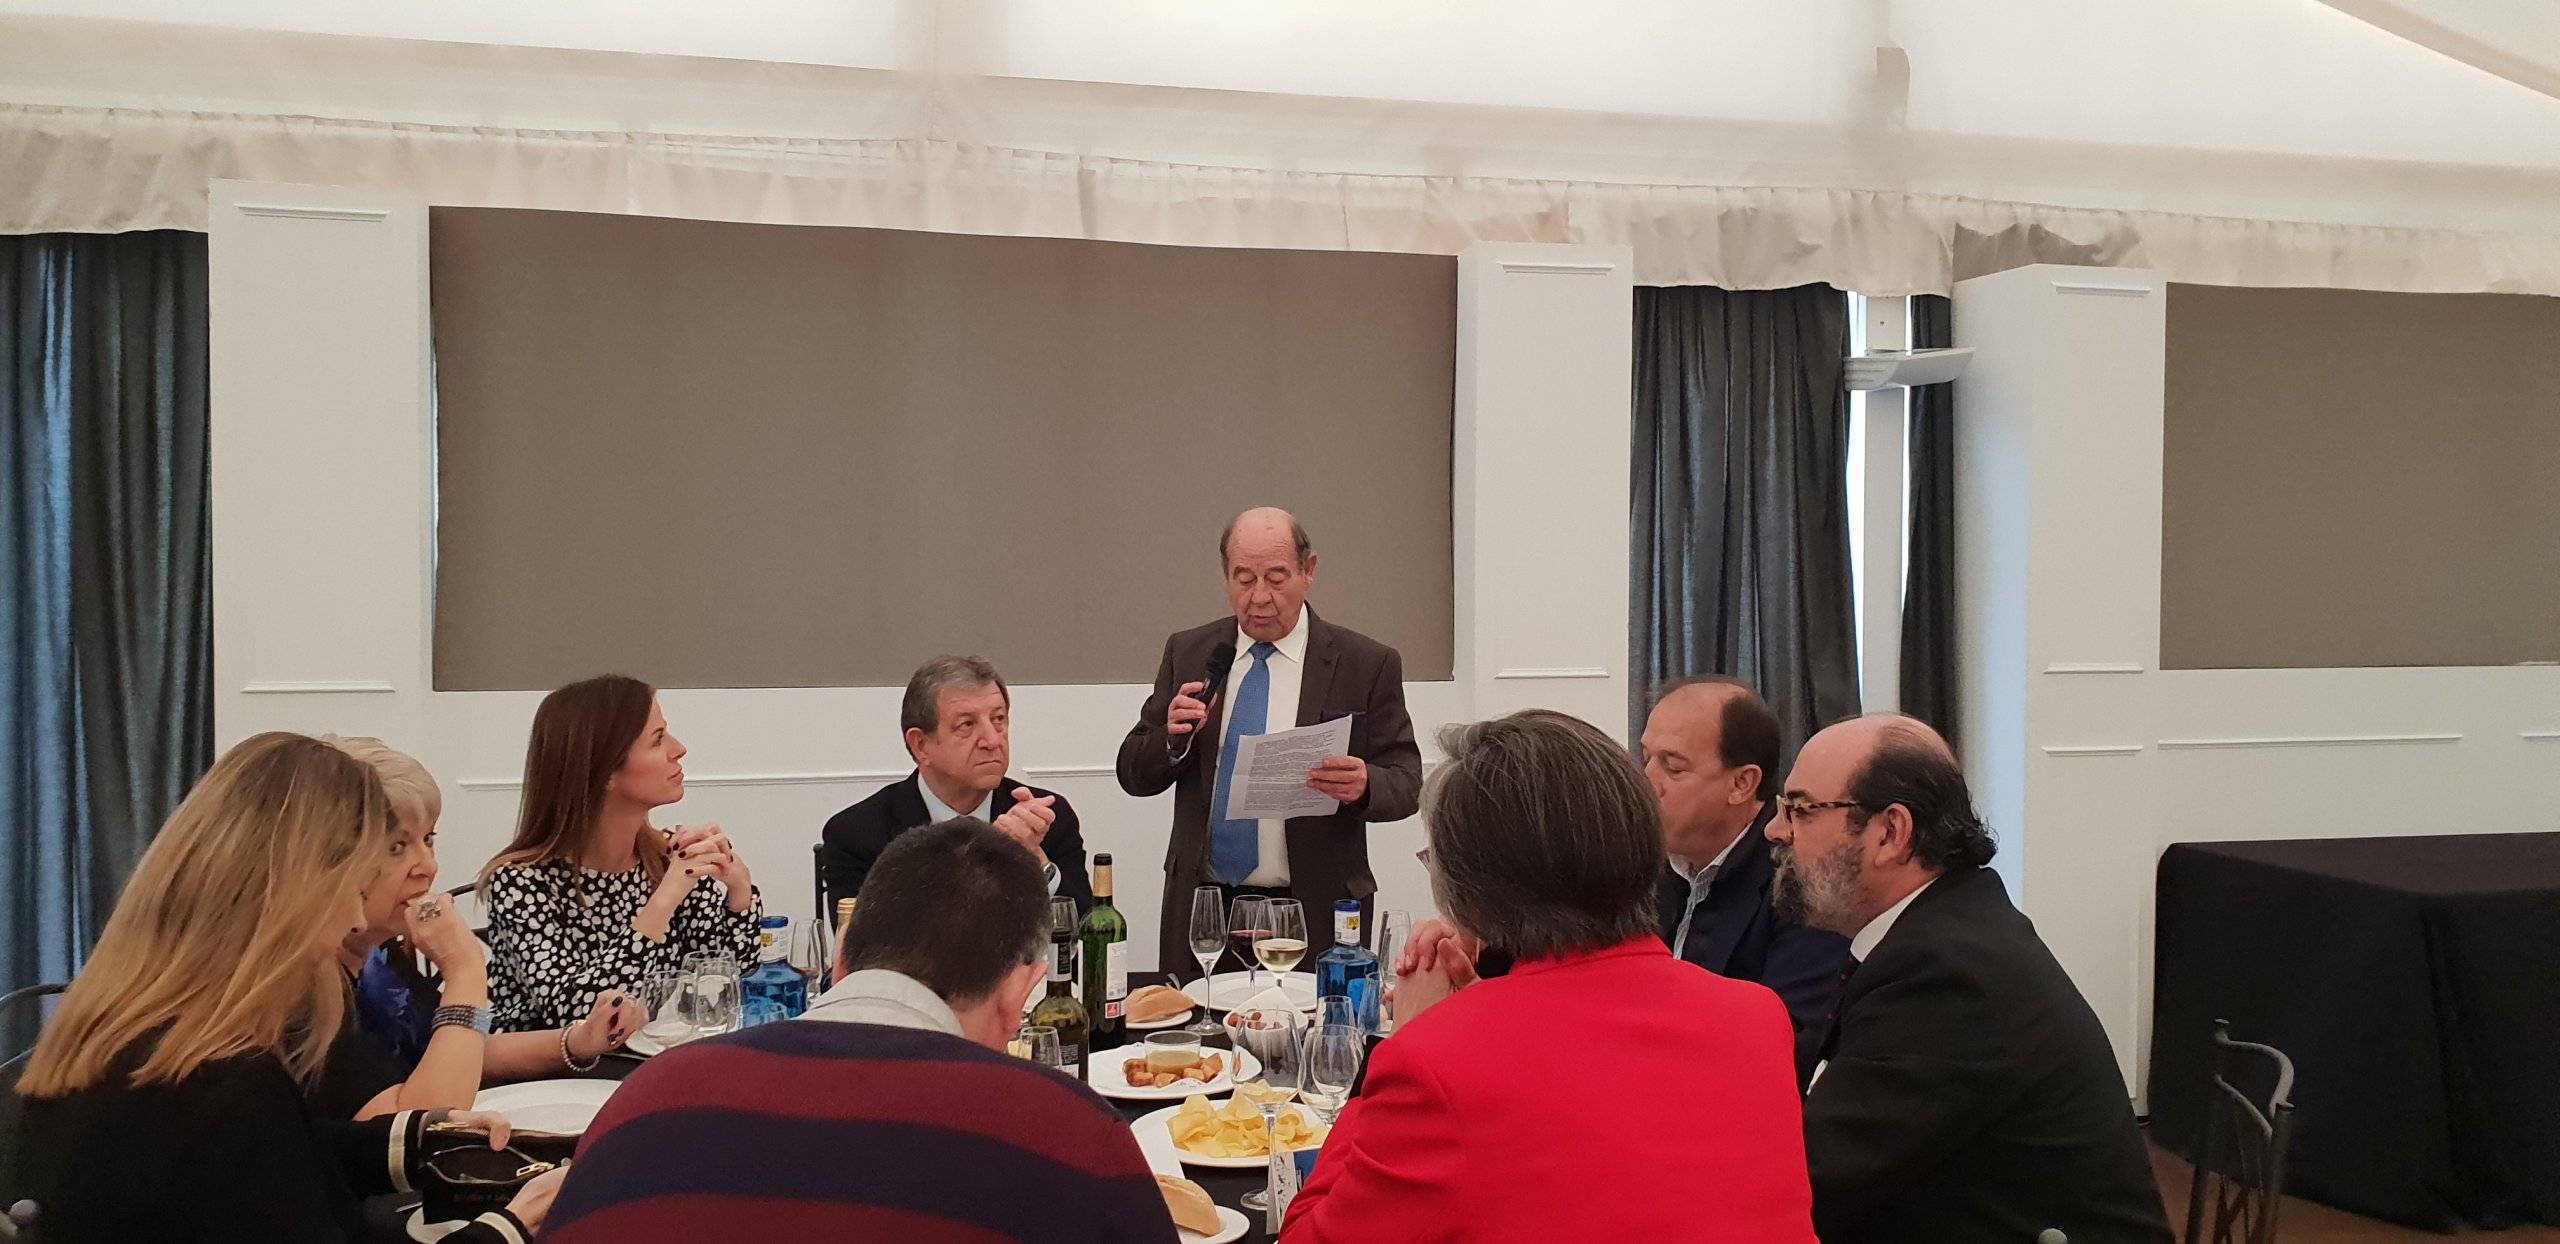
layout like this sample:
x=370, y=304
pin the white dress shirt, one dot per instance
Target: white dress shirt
x=1288, y=668
x=880, y=996
x=936, y=812
x=1699, y=880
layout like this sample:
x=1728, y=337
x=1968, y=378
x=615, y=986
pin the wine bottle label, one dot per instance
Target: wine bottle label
x=1062, y=961
x=1115, y=975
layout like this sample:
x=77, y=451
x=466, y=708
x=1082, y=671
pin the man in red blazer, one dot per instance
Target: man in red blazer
x=1602, y=1090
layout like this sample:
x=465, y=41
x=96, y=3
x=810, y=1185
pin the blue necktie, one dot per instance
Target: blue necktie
x=1235, y=847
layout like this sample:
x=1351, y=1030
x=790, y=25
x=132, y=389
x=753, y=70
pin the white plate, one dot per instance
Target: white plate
x=1228, y=990
x=1175, y=1020
x=1153, y=1128
x=565, y=1106
x=1231, y=1226
x=1103, y=1072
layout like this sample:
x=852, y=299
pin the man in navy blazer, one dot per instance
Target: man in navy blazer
x=957, y=721
x=1711, y=755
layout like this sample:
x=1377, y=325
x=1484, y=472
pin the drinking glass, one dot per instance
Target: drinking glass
x=1328, y=1068
x=1208, y=940
x=659, y=993
x=1277, y=1036
x=710, y=992
x=1037, y=1042
x=1286, y=944
x=1337, y=1011
x=1248, y=922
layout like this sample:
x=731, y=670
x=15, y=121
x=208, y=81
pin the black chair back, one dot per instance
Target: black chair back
x=2239, y=1173
x=26, y=1006
x=818, y=870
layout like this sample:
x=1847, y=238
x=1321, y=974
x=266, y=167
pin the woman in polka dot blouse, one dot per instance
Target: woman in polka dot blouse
x=590, y=896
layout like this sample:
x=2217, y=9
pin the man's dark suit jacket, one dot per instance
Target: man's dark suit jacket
x=855, y=837
x=1970, y=1093
x=1737, y=934
x=1346, y=672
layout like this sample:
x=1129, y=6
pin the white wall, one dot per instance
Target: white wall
x=2086, y=757
x=323, y=547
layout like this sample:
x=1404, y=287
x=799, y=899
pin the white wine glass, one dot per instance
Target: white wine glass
x=1248, y=922
x=1208, y=940
x=1276, y=1035
x=1286, y=944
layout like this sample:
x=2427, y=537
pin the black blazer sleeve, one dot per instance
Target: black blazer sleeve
x=1147, y=766
x=848, y=847
x=1065, y=848
x=1920, y=1066
x=1395, y=763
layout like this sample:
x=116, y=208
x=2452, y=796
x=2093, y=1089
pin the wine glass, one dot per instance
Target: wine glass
x=1277, y=1036
x=1208, y=938
x=1337, y=1011
x=1395, y=930
x=1248, y=922
x=1330, y=1064
x=813, y=954
x=1287, y=942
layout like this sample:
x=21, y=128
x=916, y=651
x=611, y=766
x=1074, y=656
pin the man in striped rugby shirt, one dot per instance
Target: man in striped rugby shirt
x=890, y=1111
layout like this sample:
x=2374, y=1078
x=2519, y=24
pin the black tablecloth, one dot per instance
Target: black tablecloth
x=2415, y=983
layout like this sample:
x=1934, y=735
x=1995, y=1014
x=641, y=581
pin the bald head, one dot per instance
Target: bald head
x=1269, y=565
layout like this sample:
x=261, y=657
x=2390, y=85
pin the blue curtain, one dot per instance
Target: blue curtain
x=1740, y=530
x=106, y=620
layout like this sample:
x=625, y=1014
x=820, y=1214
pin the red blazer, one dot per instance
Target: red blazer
x=1616, y=1095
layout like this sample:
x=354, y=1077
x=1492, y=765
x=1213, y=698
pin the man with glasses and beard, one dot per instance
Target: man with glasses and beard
x=1963, y=1089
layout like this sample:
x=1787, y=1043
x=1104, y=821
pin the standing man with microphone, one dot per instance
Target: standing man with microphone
x=1283, y=667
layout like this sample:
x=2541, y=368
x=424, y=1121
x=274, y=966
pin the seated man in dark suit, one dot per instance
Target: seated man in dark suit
x=956, y=716
x=1965, y=1090
x=1711, y=756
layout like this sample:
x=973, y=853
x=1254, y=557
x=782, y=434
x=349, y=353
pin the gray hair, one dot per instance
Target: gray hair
x=922, y=707
x=415, y=799
x=1544, y=836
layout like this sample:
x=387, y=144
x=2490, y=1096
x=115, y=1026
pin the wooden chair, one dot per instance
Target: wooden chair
x=2239, y=1168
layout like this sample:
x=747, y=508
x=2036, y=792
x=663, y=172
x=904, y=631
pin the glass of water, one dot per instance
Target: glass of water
x=662, y=995
x=709, y=990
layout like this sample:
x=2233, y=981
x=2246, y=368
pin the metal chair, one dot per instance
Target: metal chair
x=18, y=1222
x=2239, y=1166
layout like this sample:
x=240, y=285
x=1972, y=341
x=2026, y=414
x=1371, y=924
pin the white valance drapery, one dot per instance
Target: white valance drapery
x=1735, y=204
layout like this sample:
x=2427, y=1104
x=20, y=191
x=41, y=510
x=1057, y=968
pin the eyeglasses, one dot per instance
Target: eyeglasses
x=1798, y=811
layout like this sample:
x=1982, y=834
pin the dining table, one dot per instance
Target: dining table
x=386, y=1217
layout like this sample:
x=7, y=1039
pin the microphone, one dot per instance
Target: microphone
x=1221, y=659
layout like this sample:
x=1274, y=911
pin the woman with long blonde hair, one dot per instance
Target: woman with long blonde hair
x=165, y=1101
x=590, y=897
x=419, y=1040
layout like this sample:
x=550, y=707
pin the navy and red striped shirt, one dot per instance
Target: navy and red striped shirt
x=810, y=1130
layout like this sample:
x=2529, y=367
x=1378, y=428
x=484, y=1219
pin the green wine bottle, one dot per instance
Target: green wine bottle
x=1106, y=964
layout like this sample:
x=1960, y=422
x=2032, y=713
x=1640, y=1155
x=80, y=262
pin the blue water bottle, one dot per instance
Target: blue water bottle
x=774, y=980
x=1348, y=962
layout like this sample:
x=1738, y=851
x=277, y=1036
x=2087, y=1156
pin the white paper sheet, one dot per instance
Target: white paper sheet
x=1270, y=779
